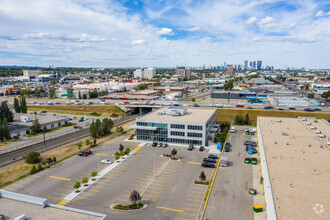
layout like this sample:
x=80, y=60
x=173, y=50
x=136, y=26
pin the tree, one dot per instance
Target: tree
x=239, y=120
x=202, y=176
x=94, y=174
x=229, y=85
x=247, y=119
x=311, y=95
x=49, y=160
x=174, y=152
x=22, y=103
x=2, y=137
x=36, y=127
x=52, y=82
x=142, y=86
x=33, y=157
x=98, y=127
x=105, y=126
x=84, y=96
x=326, y=94
x=135, y=197
x=54, y=159
x=76, y=185
x=5, y=129
x=121, y=147
x=17, y=107
x=85, y=180
x=87, y=142
x=33, y=170
x=93, y=130
x=79, y=145
x=306, y=87
x=110, y=125
x=119, y=129
x=69, y=90
x=79, y=95
x=37, y=93
x=52, y=93
x=193, y=99
x=5, y=112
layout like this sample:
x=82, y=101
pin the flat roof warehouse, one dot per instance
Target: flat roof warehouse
x=298, y=165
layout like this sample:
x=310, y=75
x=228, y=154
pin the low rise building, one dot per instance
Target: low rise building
x=177, y=125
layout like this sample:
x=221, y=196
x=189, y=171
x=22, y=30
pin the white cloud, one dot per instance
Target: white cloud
x=165, y=31
x=138, y=42
x=266, y=20
x=319, y=13
x=251, y=20
x=193, y=29
x=65, y=37
x=328, y=13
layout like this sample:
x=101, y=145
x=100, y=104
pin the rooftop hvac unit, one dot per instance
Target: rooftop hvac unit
x=318, y=132
x=304, y=119
x=285, y=134
x=279, y=120
x=313, y=128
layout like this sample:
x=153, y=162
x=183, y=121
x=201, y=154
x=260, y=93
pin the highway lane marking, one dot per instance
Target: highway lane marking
x=174, y=210
x=61, y=178
x=137, y=148
x=191, y=209
x=196, y=196
x=194, y=200
x=195, y=163
x=102, y=154
x=191, y=204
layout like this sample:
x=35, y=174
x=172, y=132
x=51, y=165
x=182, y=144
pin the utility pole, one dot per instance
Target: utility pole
x=43, y=133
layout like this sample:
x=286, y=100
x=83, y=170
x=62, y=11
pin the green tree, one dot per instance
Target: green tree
x=69, y=90
x=239, y=120
x=79, y=145
x=36, y=127
x=105, y=126
x=76, y=185
x=52, y=82
x=94, y=174
x=247, y=119
x=22, y=103
x=93, y=130
x=87, y=142
x=110, y=125
x=119, y=129
x=79, y=95
x=33, y=170
x=5, y=129
x=229, y=85
x=193, y=99
x=84, y=96
x=2, y=137
x=142, y=86
x=326, y=94
x=85, y=180
x=5, y=112
x=311, y=95
x=98, y=126
x=17, y=106
x=52, y=92
x=33, y=157
x=37, y=93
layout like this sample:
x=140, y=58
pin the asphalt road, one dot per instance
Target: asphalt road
x=172, y=195
x=229, y=198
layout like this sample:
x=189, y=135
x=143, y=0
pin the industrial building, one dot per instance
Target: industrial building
x=177, y=125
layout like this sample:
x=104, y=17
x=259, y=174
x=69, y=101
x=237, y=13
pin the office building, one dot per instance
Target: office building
x=144, y=73
x=183, y=72
x=177, y=125
x=259, y=64
x=245, y=65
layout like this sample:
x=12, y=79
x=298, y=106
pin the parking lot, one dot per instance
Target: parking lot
x=171, y=195
x=229, y=198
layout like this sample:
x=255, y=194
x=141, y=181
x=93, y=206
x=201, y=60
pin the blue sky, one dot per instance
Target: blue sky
x=164, y=33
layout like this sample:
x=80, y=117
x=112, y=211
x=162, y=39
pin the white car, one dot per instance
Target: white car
x=226, y=106
x=107, y=161
x=186, y=105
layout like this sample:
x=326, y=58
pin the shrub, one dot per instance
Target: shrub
x=76, y=185
x=201, y=182
x=87, y=142
x=122, y=153
x=43, y=162
x=121, y=207
x=127, y=150
x=193, y=99
x=39, y=168
x=117, y=154
x=95, y=114
x=16, y=137
x=117, y=157
x=114, y=115
x=49, y=160
x=33, y=170
x=131, y=137
x=84, y=180
x=167, y=155
x=33, y=157
x=94, y=174
x=174, y=158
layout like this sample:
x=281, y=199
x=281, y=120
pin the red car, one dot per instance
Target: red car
x=77, y=126
x=88, y=151
x=240, y=105
x=209, y=160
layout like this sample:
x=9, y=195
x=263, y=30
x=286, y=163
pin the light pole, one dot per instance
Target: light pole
x=43, y=133
x=137, y=193
x=154, y=165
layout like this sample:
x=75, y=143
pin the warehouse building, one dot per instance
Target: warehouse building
x=177, y=125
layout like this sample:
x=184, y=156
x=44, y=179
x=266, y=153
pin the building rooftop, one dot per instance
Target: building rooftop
x=298, y=164
x=192, y=115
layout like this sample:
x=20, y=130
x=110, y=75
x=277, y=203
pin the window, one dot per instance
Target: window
x=199, y=135
x=177, y=133
x=195, y=127
x=177, y=126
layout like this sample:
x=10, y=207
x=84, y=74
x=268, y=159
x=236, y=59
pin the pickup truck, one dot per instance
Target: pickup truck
x=224, y=161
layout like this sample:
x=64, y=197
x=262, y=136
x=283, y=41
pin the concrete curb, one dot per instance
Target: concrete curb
x=113, y=205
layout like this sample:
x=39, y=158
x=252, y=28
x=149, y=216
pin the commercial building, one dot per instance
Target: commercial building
x=177, y=125
x=183, y=72
x=144, y=73
x=169, y=90
x=31, y=72
x=294, y=159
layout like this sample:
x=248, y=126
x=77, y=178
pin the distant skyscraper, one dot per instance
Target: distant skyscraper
x=254, y=64
x=246, y=65
x=251, y=64
x=259, y=64
x=225, y=65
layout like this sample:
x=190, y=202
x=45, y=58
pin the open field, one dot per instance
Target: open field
x=80, y=109
x=228, y=115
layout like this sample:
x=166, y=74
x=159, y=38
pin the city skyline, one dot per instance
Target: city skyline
x=164, y=34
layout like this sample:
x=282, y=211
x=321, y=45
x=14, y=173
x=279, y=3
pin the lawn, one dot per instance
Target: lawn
x=228, y=115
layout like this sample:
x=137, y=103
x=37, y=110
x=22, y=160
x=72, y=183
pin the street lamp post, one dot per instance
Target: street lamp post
x=43, y=133
x=137, y=193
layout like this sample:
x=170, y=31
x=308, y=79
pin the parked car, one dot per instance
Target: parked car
x=280, y=109
x=317, y=109
x=208, y=164
x=159, y=144
x=309, y=110
x=249, y=107
x=247, y=160
x=106, y=161
x=88, y=124
x=165, y=145
x=250, y=143
x=201, y=148
x=292, y=108
x=176, y=104
x=88, y=151
x=213, y=156
x=190, y=147
x=240, y=105
x=90, y=103
x=254, y=150
x=227, y=146
x=268, y=107
x=209, y=160
x=82, y=154
x=154, y=144
x=77, y=126
x=81, y=119
x=219, y=105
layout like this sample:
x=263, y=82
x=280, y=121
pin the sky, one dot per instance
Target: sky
x=164, y=33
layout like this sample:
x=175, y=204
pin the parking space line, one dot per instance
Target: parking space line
x=174, y=210
x=54, y=197
x=150, y=195
x=149, y=191
x=11, y=189
x=157, y=184
x=194, y=200
x=102, y=154
x=191, y=209
x=84, y=198
x=137, y=148
x=66, y=190
x=79, y=202
x=89, y=193
x=15, y=184
x=196, y=196
x=191, y=204
x=108, y=181
x=99, y=187
x=115, y=174
x=199, y=188
x=194, y=163
x=61, y=194
x=61, y=178
x=123, y=200
x=152, y=187
x=188, y=214
x=183, y=218
x=27, y=181
x=94, y=190
x=107, y=184
x=197, y=192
